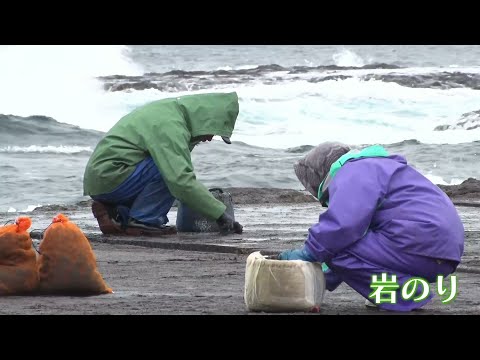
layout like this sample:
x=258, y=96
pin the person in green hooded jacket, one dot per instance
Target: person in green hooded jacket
x=144, y=163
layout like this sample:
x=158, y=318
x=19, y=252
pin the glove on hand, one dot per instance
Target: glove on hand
x=228, y=225
x=296, y=254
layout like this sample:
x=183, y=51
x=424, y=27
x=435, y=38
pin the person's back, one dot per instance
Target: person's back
x=413, y=214
x=126, y=144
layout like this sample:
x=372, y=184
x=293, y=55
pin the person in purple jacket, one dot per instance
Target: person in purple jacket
x=382, y=216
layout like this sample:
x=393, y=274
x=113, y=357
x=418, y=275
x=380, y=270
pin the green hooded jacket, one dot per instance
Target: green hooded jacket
x=164, y=130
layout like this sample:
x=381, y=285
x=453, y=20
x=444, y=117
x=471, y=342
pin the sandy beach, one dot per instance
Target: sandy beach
x=205, y=273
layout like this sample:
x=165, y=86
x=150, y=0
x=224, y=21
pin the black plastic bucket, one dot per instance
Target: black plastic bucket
x=191, y=221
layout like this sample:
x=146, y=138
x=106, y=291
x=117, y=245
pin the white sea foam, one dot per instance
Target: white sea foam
x=46, y=149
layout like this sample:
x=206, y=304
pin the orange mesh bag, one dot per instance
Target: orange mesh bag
x=67, y=263
x=18, y=261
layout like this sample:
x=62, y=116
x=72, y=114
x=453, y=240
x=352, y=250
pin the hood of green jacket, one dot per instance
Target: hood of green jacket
x=210, y=114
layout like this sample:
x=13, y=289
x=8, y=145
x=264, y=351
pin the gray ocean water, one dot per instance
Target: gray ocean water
x=420, y=101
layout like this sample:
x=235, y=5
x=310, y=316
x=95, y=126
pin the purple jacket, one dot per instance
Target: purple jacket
x=388, y=196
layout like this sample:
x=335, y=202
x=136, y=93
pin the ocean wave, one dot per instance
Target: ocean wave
x=44, y=132
x=300, y=149
x=39, y=124
x=413, y=145
x=60, y=81
x=47, y=149
x=29, y=208
x=406, y=142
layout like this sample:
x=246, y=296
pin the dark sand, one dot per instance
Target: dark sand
x=205, y=273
